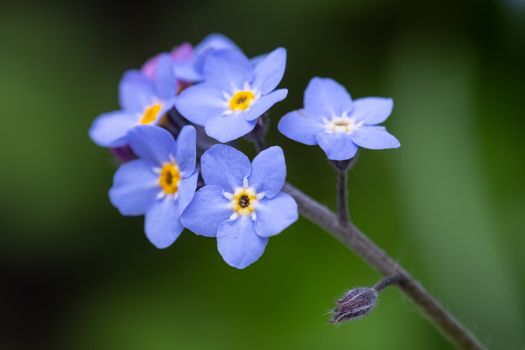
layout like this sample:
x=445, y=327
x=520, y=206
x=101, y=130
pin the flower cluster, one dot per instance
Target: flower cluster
x=178, y=100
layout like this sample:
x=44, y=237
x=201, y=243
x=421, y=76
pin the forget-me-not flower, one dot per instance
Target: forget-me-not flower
x=190, y=68
x=160, y=184
x=143, y=102
x=179, y=55
x=242, y=203
x=234, y=93
x=337, y=124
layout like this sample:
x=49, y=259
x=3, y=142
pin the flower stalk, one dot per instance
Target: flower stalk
x=342, y=167
x=387, y=281
x=258, y=134
x=342, y=197
x=374, y=256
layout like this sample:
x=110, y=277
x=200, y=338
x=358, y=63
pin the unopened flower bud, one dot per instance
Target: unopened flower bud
x=355, y=304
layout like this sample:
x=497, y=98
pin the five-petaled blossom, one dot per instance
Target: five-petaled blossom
x=234, y=94
x=337, y=124
x=160, y=184
x=241, y=204
x=191, y=67
x=143, y=102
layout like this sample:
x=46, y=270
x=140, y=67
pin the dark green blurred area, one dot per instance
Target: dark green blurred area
x=448, y=204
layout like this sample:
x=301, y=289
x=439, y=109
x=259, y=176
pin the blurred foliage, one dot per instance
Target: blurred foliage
x=448, y=204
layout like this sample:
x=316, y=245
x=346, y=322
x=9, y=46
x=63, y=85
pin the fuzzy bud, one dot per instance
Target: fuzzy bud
x=355, y=304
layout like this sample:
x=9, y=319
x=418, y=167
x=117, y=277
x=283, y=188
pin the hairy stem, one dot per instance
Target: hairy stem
x=373, y=255
x=343, y=167
x=388, y=281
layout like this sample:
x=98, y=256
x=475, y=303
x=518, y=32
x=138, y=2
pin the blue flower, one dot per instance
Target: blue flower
x=337, y=124
x=242, y=204
x=190, y=69
x=142, y=101
x=179, y=54
x=160, y=184
x=234, y=93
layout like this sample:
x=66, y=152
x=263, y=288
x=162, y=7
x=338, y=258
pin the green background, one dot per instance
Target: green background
x=448, y=205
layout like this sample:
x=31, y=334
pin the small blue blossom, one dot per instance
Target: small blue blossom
x=143, y=102
x=242, y=203
x=160, y=184
x=190, y=69
x=337, y=124
x=179, y=54
x=234, y=93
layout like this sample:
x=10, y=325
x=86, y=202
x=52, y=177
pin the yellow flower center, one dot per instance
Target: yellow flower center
x=244, y=200
x=241, y=100
x=169, y=178
x=150, y=114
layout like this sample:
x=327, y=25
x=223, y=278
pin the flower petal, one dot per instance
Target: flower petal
x=110, y=129
x=268, y=172
x=185, y=70
x=149, y=68
x=190, y=68
x=186, y=190
x=135, y=187
x=182, y=52
x=215, y=41
x=152, y=143
x=211, y=43
x=162, y=224
x=225, y=167
x=326, y=97
x=165, y=80
x=136, y=91
x=166, y=106
x=226, y=128
x=372, y=110
x=238, y=243
x=228, y=69
x=274, y=215
x=264, y=103
x=258, y=59
x=270, y=70
x=300, y=127
x=186, y=150
x=200, y=103
x=207, y=211
x=337, y=146
x=374, y=137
